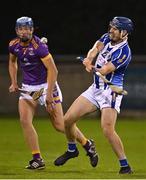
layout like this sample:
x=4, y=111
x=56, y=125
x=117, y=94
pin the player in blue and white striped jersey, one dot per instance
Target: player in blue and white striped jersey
x=118, y=55
x=114, y=56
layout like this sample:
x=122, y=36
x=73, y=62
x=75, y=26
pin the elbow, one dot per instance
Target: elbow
x=102, y=71
x=56, y=72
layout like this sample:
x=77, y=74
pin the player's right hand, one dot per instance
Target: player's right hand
x=88, y=64
x=13, y=88
x=50, y=104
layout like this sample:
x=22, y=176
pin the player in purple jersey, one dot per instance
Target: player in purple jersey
x=112, y=60
x=38, y=71
x=38, y=68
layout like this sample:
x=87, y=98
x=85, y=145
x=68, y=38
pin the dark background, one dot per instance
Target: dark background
x=73, y=26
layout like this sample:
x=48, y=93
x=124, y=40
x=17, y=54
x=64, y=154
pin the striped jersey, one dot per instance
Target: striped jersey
x=119, y=55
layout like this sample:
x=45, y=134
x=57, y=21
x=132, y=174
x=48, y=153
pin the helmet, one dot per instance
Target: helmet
x=122, y=23
x=24, y=21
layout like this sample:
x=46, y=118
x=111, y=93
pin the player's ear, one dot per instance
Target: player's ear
x=124, y=34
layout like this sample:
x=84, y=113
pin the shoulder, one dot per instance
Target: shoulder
x=37, y=44
x=106, y=35
x=121, y=56
x=41, y=48
x=123, y=50
x=14, y=42
x=105, y=38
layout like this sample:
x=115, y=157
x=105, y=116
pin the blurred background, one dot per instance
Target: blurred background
x=72, y=27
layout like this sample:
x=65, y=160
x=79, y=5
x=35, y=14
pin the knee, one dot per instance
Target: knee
x=108, y=130
x=59, y=127
x=67, y=122
x=58, y=124
x=25, y=123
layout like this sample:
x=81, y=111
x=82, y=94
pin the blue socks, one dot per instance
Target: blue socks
x=72, y=146
x=123, y=162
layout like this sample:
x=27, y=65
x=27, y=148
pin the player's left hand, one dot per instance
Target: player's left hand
x=88, y=64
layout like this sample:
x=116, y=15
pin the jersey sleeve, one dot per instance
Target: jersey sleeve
x=11, y=47
x=42, y=50
x=120, y=58
x=105, y=39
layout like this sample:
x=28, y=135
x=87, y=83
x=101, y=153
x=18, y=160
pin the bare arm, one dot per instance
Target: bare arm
x=52, y=73
x=107, y=68
x=13, y=72
x=92, y=53
x=98, y=46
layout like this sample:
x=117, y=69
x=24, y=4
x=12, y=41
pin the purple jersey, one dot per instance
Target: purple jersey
x=29, y=57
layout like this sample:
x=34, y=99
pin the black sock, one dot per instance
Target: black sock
x=87, y=145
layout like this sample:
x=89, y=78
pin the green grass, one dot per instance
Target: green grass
x=14, y=154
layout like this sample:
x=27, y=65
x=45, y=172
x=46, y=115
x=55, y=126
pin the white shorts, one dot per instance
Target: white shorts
x=57, y=95
x=103, y=98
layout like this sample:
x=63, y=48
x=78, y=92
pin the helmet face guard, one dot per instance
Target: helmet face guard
x=122, y=23
x=24, y=22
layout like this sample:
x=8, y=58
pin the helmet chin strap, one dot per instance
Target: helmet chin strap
x=123, y=35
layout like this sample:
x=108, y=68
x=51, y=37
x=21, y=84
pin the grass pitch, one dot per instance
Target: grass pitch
x=14, y=153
